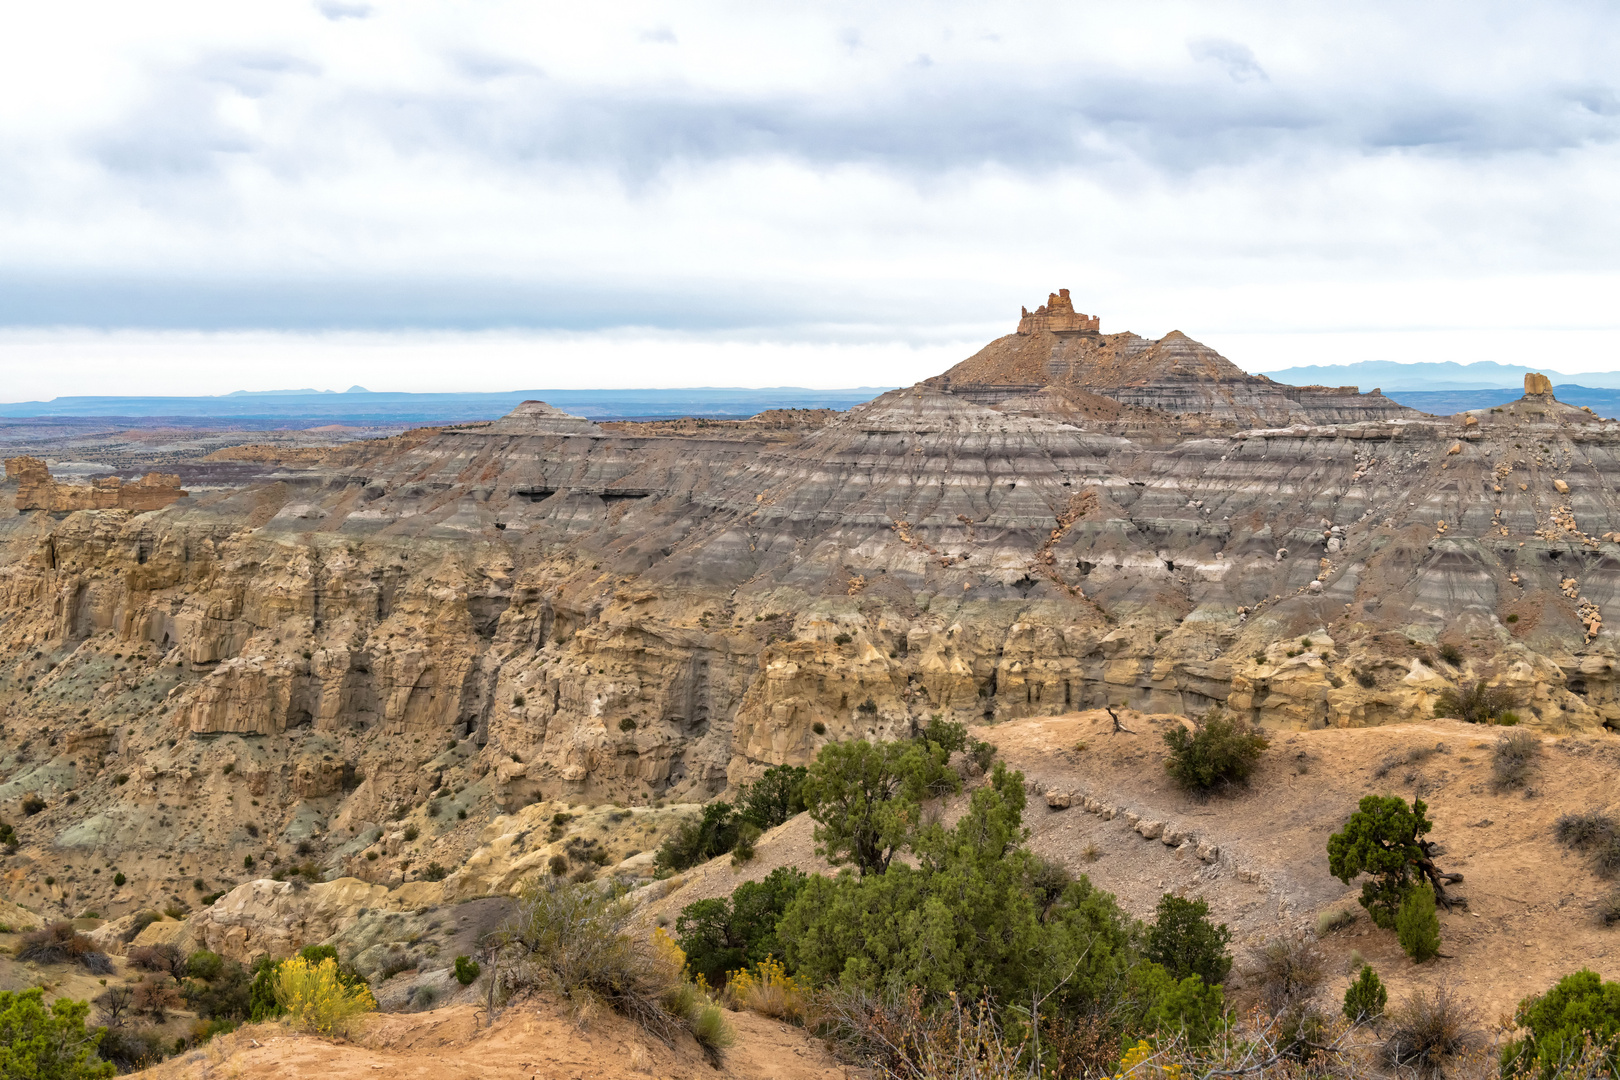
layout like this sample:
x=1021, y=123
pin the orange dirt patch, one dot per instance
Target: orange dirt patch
x=530, y=1039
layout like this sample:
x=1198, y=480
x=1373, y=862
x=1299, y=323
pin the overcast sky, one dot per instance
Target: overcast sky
x=484, y=195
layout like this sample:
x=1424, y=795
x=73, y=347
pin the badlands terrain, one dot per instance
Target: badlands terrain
x=413, y=668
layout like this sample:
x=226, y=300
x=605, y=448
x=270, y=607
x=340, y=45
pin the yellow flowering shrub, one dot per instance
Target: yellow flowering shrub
x=768, y=990
x=1139, y=1064
x=314, y=997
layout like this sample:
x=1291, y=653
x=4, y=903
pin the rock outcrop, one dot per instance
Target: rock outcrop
x=1174, y=375
x=37, y=490
x=1057, y=316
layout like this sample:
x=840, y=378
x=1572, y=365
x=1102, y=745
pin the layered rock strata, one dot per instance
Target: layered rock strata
x=433, y=628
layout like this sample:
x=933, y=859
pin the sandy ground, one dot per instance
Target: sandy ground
x=1531, y=903
x=536, y=1039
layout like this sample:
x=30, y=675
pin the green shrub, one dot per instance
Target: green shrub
x=1220, y=754
x=203, y=964
x=1479, y=704
x=945, y=734
x=1417, y=927
x=130, y=1049
x=434, y=872
x=627, y=724
x=731, y=933
x=222, y=995
x=1451, y=655
x=743, y=850
x=1366, y=997
x=40, y=1042
x=699, y=840
x=1186, y=941
x=776, y=796
x=1189, y=1007
x=1383, y=839
x=119, y=879
x=963, y=917
x=867, y=797
x=1559, y=1022
x=32, y=805
x=467, y=970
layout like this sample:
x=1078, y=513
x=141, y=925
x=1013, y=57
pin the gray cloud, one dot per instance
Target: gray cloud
x=1237, y=58
x=921, y=125
x=889, y=178
x=337, y=9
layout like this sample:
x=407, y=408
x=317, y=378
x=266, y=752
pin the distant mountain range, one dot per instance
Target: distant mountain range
x=1442, y=388
x=361, y=408
x=1388, y=375
x=1601, y=400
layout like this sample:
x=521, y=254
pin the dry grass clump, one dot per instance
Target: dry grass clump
x=1584, y=831
x=1429, y=1027
x=166, y=958
x=1608, y=911
x=156, y=995
x=1513, y=759
x=1594, y=833
x=316, y=999
x=1414, y=756
x=1288, y=971
x=901, y=1039
x=577, y=941
x=59, y=943
x=1477, y=704
x=1606, y=859
x=1329, y=921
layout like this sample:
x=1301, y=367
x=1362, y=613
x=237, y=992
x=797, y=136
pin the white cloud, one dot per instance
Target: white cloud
x=796, y=176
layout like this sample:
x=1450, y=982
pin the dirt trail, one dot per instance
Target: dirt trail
x=536, y=1039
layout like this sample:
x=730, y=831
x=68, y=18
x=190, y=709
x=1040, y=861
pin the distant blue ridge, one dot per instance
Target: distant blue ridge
x=364, y=408
x=1603, y=401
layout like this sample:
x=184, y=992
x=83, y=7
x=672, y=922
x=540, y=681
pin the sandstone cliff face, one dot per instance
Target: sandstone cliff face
x=464, y=621
x=36, y=490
